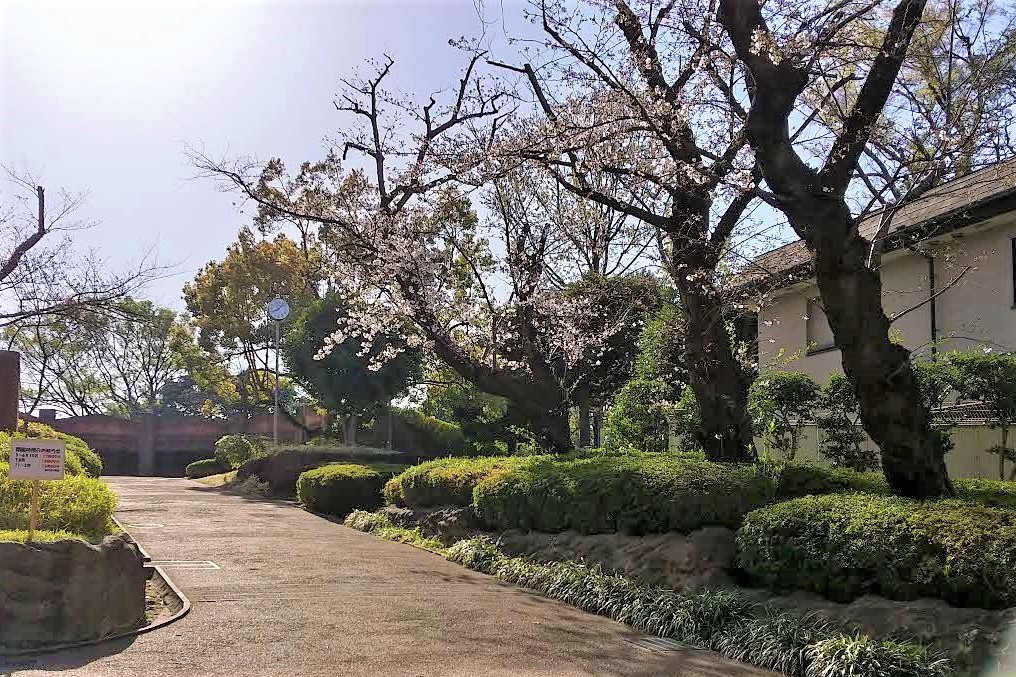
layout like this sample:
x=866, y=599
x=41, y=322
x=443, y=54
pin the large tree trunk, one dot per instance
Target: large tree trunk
x=715, y=377
x=891, y=408
x=584, y=424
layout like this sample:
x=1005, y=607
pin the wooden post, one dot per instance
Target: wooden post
x=33, y=515
x=10, y=389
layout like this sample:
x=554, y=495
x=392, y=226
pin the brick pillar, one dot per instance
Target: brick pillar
x=10, y=389
x=146, y=446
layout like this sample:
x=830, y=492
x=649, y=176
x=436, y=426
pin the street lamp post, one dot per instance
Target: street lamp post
x=278, y=310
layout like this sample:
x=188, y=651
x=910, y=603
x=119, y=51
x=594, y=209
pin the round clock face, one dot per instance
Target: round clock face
x=278, y=309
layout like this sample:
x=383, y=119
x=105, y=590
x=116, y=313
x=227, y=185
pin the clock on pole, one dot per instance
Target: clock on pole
x=278, y=310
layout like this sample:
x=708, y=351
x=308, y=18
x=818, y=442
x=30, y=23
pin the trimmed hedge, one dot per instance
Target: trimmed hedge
x=794, y=480
x=78, y=504
x=726, y=622
x=843, y=546
x=340, y=488
x=432, y=436
x=204, y=468
x=636, y=494
x=445, y=481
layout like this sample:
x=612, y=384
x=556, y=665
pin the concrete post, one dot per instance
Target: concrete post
x=10, y=389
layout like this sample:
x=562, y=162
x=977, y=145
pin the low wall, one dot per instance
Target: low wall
x=69, y=591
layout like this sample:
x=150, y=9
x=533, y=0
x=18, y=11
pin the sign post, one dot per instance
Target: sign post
x=36, y=460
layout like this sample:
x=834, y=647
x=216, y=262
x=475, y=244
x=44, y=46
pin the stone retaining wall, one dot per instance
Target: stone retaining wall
x=69, y=591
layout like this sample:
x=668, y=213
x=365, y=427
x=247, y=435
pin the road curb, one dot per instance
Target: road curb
x=157, y=575
x=144, y=553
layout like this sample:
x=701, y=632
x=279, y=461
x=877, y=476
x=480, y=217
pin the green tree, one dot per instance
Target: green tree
x=227, y=301
x=638, y=417
x=780, y=404
x=990, y=378
x=841, y=433
x=347, y=381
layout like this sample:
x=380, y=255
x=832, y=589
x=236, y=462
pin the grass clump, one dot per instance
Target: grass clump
x=445, y=481
x=636, y=494
x=725, y=621
x=204, y=468
x=339, y=488
x=843, y=546
x=21, y=535
x=381, y=526
x=856, y=655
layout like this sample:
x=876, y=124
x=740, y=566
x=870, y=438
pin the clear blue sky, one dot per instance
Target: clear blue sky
x=103, y=96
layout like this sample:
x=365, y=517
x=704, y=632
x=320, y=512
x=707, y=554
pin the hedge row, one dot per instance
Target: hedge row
x=204, y=468
x=340, y=488
x=726, y=622
x=847, y=545
x=445, y=481
x=634, y=494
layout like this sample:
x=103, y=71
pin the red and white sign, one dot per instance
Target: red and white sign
x=37, y=459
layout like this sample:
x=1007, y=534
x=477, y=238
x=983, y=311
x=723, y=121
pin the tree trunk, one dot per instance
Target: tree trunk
x=598, y=427
x=584, y=425
x=1001, y=453
x=553, y=431
x=715, y=376
x=891, y=407
x=350, y=433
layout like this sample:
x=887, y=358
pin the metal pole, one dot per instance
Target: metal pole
x=275, y=411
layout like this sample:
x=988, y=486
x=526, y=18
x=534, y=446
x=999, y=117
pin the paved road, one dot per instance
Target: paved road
x=296, y=595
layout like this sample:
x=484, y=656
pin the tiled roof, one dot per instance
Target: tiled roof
x=966, y=413
x=792, y=261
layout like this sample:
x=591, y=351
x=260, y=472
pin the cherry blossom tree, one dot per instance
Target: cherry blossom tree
x=404, y=243
x=640, y=95
x=879, y=128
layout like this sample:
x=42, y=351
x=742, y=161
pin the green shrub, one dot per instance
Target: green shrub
x=204, y=468
x=434, y=437
x=780, y=403
x=232, y=451
x=843, y=546
x=647, y=493
x=78, y=504
x=638, y=416
x=986, y=492
x=340, y=488
x=852, y=656
x=444, y=481
x=79, y=459
x=794, y=480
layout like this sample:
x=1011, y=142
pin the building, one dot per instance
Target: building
x=948, y=278
x=948, y=274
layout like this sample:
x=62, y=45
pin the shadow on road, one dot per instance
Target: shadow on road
x=65, y=659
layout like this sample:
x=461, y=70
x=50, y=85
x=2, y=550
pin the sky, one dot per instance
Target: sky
x=106, y=96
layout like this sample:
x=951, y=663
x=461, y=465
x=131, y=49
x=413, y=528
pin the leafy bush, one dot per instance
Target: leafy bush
x=20, y=536
x=794, y=480
x=841, y=431
x=232, y=451
x=638, y=416
x=204, y=468
x=434, y=436
x=686, y=417
x=339, y=488
x=78, y=504
x=445, y=481
x=780, y=403
x=851, y=656
x=647, y=493
x=843, y=546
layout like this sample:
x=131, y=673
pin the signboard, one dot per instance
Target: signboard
x=37, y=459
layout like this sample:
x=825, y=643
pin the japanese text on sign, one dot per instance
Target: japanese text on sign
x=37, y=459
